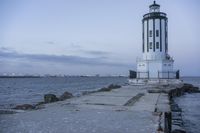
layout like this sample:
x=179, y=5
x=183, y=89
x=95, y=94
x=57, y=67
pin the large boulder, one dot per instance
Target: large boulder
x=4, y=111
x=65, y=95
x=49, y=98
x=39, y=105
x=24, y=107
x=195, y=89
x=113, y=86
x=178, y=131
x=104, y=89
x=109, y=88
x=175, y=108
x=187, y=87
x=190, y=88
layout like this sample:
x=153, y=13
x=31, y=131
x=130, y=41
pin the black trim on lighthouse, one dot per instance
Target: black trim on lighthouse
x=154, y=35
x=143, y=36
x=165, y=36
x=147, y=35
x=160, y=35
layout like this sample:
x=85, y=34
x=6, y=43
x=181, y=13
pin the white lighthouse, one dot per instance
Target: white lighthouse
x=155, y=61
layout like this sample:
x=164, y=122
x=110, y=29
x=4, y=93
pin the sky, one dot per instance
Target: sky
x=88, y=37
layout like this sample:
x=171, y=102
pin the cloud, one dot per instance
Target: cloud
x=12, y=61
x=51, y=42
x=5, y=49
x=75, y=45
x=77, y=48
x=6, y=54
x=97, y=53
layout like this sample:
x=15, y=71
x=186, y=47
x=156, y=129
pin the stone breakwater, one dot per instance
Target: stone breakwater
x=173, y=122
x=50, y=98
x=176, y=111
x=128, y=109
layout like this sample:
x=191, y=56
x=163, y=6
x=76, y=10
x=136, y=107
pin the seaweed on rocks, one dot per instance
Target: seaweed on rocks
x=49, y=98
x=65, y=95
x=109, y=88
x=24, y=107
x=104, y=89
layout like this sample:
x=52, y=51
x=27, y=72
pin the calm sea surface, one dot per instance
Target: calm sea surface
x=15, y=91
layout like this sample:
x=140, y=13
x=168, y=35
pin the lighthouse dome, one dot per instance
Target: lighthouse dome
x=154, y=7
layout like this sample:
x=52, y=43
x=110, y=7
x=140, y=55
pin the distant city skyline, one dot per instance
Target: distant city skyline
x=88, y=37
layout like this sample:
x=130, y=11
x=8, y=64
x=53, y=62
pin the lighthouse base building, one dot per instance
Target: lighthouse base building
x=161, y=68
x=155, y=62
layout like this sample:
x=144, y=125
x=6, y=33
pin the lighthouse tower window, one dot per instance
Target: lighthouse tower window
x=157, y=33
x=150, y=33
x=150, y=45
x=157, y=45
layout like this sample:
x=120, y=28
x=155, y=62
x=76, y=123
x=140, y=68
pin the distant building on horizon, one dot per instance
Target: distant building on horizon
x=155, y=61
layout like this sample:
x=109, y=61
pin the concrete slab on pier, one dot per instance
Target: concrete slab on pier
x=129, y=109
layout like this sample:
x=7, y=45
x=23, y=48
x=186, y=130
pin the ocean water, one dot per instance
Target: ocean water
x=190, y=104
x=192, y=80
x=15, y=91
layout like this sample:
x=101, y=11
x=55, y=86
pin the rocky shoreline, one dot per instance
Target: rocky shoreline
x=50, y=98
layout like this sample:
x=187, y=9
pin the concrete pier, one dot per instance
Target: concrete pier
x=129, y=109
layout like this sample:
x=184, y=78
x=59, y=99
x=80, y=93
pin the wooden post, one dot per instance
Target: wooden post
x=177, y=74
x=168, y=122
x=168, y=74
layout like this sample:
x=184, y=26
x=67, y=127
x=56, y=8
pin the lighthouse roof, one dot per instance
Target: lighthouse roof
x=154, y=5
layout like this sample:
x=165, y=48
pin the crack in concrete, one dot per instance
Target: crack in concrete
x=134, y=99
